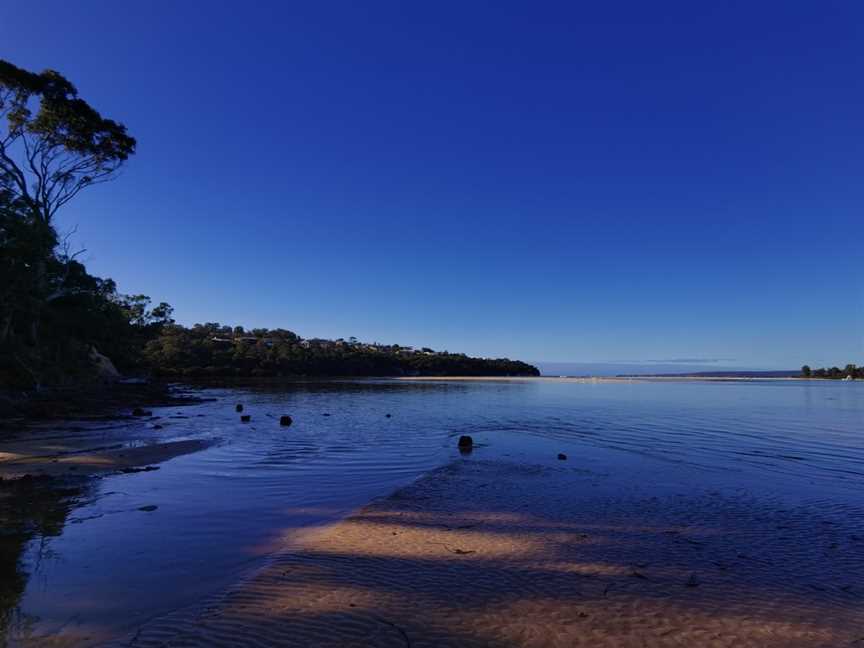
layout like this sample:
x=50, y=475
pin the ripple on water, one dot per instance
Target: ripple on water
x=220, y=512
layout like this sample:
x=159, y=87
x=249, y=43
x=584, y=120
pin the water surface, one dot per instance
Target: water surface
x=222, y=511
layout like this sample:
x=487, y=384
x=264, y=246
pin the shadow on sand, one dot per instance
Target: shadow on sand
x=494, y=554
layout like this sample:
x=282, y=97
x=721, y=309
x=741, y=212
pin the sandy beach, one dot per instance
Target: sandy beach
x=493, y=553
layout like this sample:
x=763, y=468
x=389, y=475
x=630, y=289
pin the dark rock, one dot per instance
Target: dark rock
x=285, y=420
x=562, y=456
x=141, y=412
x=325, y=414
x=245, y=418
x=388, y=415
x=238, y=408
x=466, y=441
x=157, y=427
x=148, y=508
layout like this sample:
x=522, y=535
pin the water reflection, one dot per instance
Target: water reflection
x=31, y=512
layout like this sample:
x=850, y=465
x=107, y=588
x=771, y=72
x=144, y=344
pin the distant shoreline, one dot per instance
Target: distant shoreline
x=611, y=379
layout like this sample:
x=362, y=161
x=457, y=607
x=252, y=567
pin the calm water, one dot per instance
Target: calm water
x=222, y=511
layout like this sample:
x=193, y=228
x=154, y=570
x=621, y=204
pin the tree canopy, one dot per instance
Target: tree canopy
x=216, y=351
x=852, y=371
x=53, y=144
x=52, y=312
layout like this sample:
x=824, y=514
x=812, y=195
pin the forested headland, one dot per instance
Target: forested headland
x=58, y=323
x=212, y=350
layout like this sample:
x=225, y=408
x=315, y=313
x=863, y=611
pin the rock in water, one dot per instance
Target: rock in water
x=245, y=418
x=141, y=412
x=562, y=456
x=466, y=441
x=285, y=420
x=388, y=415
x=238, y=408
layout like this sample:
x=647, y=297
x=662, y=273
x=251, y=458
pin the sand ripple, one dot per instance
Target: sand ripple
x=496, y=554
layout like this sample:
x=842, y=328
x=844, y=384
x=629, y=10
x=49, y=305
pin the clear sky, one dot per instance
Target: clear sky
x=575, y=182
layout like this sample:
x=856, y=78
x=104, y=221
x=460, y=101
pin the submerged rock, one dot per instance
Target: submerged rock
x=562, y=456
x=148, y=508
x=466, y=441
x=245, y=418
x=285, y=420
x=238, y=407
x=141, y=412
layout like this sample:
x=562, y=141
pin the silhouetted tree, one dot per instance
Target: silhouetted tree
x=53, y=144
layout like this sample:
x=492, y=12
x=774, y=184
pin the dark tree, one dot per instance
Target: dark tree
x=53, y=144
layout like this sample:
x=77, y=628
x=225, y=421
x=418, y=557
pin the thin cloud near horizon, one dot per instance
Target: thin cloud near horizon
x=689, y=360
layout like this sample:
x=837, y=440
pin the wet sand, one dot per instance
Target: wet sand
x=65, y=457
x=493, y=553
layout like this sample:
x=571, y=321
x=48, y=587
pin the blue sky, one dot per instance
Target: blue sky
x=614, y=182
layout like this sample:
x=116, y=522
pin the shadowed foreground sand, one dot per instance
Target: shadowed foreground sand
x=495, y=554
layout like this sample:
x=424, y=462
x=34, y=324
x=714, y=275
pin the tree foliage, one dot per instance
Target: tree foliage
x=52, y=312
x=849, y=371
x=53, y=144
x=213, y=350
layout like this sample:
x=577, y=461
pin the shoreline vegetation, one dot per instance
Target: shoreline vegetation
x=849, y=372
x=217, y=351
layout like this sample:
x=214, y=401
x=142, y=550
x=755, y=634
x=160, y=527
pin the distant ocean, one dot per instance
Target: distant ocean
x=645, y=368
